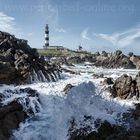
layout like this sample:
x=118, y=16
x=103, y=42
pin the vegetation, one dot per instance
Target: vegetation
x=50, y=52
x=62, y=52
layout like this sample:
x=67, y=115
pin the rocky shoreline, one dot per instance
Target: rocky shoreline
x=123, y=88
x=106, y=60
x=16, y=110
x=20, y=64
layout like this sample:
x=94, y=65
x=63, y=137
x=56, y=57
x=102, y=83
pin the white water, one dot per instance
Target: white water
x=87, y=98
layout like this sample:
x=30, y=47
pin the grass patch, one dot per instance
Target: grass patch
x=50, y=52
x=56, y=52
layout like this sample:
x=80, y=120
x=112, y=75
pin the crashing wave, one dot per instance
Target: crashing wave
x=83, y=101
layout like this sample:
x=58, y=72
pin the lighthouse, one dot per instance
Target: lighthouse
x=46, y=37
x=47, y=45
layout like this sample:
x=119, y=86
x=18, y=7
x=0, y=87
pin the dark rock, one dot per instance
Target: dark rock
x=106, y=60
x=30, y=92
x=118, y=52
x=122, y=87
x=136, y=61
x=12, y=114
x=20, y=64
x=104, y=54
x=70, y=71
x=109, y=89
x=108, y=81
x=125, y=135
x=136, y=115
x=105, y=129
x=130, y=54
x=7, y=72
x=138, y=85
x=97, y=53
x=125, y=87
x=113, y=60
x=10, y=117
x=67, y=88
x=75, y=60
x=98, y=75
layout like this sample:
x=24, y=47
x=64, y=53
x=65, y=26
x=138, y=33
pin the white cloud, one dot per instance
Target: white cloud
x=8, y=24
x=84, y=34
x=60, y=30
x=121, y=39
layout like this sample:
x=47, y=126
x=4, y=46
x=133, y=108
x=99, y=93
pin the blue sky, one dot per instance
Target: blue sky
x=95, y=24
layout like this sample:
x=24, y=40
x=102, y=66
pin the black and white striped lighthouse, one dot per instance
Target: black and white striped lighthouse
x=46, y=37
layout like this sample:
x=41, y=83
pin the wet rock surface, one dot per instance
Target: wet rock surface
x=21, y=64
x=67, y=88
x=108, y=81
x=75, y=60
x=70, y=71
x=126, y=87
x=108, y=60
x=136, y=60
x=98, y=75
x=14, y=112
x=105, y=131
x=113, y=60
x=122, y=87
x=10, y=117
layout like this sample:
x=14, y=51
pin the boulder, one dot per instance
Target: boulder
x=122, y=86
x=67, y=88
x=30, y=92
x=138, y=85
x=136, y=115
x=104, y=130
x=10, y=117
x=17, y=109
x=118, y=52
x=108, y=81
x=125, y=87
x=130, y=54
x=104, y=54
x=70, y=71
x=136, y=61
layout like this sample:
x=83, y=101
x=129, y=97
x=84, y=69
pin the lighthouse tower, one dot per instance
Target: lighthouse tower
x=46, y=37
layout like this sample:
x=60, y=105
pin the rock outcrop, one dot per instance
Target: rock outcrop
x=98, y=75
x=123, y=87
x=106, y=131
x=113, y=60
x=75, y=60
x=126, y=87
x=108, y=81
x=10, y=117
x=107, y=60
x=136, y=60
x=21, y=64
x=67, y=88
x=16, y=110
